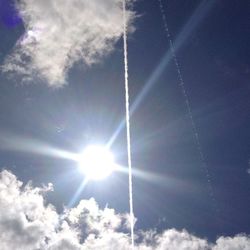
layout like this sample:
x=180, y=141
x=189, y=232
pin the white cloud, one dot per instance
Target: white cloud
x=27, y=222
x=172, y=239
x=239, y=242
x=59, y=33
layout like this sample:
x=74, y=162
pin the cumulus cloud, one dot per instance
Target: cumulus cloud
x=239, y=242
x=28, y=222
x=59, y=33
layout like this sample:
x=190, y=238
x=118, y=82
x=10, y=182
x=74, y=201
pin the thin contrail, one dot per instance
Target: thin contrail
x=189, y=110
x=191, y=25
x=128, y=124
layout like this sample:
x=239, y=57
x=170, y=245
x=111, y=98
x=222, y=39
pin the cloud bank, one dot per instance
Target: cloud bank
x=28, y=222
x=59, y=33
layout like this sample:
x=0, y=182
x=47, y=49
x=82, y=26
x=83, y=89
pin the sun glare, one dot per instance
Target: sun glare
x=96, y=162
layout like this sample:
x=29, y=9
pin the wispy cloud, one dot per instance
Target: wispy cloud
x=59, y=33
x=28, y=222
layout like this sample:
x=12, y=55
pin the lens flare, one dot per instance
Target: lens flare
x=9, y=15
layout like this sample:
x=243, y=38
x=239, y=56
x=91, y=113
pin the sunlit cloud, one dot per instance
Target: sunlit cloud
x=28, y=222
x=60, y=33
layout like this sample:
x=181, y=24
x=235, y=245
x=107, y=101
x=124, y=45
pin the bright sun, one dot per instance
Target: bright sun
x=96, y=162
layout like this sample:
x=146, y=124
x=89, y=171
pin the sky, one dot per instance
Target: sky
x=62, y=89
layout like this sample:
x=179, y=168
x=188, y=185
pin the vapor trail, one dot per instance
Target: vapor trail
x=189, y=110
x=191, y=25
x=128, y=124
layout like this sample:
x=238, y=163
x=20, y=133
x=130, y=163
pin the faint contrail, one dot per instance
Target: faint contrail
x=187, y=102
x=128, y=124
x=191, y=25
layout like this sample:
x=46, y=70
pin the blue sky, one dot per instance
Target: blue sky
x=68, y=92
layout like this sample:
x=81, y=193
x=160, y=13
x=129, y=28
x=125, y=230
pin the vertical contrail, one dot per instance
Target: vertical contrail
x=189, y=111
x=128, y=124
